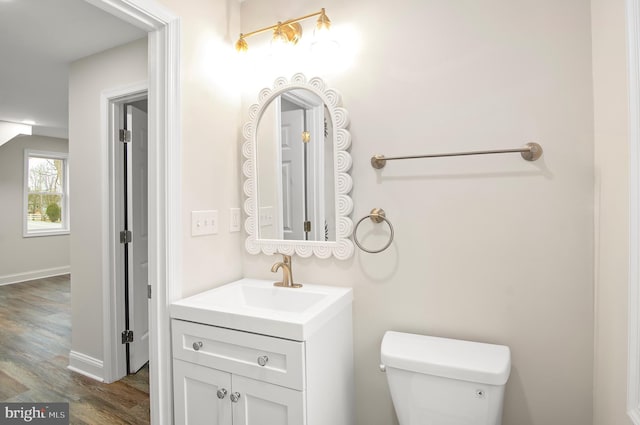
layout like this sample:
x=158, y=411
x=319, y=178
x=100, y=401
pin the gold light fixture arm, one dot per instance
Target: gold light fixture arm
x=302, y=18
x=261, y=30
x=241, y=44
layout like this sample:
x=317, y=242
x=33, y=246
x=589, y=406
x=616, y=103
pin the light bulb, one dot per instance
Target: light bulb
x=323, y=27
x=323, y=41
x=279, y=42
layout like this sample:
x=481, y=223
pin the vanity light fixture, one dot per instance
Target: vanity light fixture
x=286, y=32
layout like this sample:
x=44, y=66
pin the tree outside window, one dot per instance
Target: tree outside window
x=45, y=193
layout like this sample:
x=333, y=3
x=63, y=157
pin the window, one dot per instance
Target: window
x=46, y=194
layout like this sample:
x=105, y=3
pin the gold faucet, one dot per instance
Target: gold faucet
x=287, y=274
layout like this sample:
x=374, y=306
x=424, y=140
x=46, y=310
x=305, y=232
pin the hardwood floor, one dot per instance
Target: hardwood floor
x=35, y=339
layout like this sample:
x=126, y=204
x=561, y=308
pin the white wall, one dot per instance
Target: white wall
x=88, y=78
x=26, y=258
x=210, y=128
x=488, y=248
x=611, y=206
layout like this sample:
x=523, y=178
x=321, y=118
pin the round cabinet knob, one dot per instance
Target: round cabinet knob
x=221, y=393
x=197, y=345
x=234, y=397
x=262, y=360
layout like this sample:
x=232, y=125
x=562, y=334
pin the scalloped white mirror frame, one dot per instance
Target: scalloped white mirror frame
x=342, y=248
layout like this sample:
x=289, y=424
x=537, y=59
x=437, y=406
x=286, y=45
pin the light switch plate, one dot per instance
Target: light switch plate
x=204, y=222
x=234, y=222
x=266, y=216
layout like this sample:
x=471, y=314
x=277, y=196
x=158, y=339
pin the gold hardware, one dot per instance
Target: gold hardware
x=378, y=161
x=323, y=23
x=306, y=136
x=307, y=226
x=530, y=152
x=534, y=152
x=287, y=273
x=241, y=44
x=377, y=215
x=288, y=31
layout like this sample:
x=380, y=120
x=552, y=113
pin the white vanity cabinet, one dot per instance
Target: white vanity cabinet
x=226, y=376
x=209, y=396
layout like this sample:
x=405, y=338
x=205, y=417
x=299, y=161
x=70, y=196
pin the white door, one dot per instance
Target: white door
x=201, y=395
x=260, y=403
x=293, y=162
x=139, y=248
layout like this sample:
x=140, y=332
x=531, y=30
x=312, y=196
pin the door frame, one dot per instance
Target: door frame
x=165, y=252
x=633, y=64
x=112, y=102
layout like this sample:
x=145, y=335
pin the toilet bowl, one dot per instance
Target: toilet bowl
x=441, y=381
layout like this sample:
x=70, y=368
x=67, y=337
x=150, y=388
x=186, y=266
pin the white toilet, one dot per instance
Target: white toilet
x=440, y=381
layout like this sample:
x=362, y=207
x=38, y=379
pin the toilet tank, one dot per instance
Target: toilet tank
x=441, y=381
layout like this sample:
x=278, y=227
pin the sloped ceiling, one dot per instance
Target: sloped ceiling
x=38, y=41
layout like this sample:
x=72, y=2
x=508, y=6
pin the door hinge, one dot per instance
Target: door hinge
x=127, y=336
x=306, y=136
x=125, y=136
x=149, y=291
x=125, y=236
x=307, y=226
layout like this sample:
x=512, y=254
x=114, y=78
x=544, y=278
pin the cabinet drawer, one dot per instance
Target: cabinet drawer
x=269, y=359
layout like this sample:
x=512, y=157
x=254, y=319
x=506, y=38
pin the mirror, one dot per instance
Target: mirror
x=297, y=167
x=295, y=184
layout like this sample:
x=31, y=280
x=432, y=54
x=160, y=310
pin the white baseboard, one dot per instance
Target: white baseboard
x=35, y=274
x=86, y=365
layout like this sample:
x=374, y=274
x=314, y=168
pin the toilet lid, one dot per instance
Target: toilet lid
x=449, y=358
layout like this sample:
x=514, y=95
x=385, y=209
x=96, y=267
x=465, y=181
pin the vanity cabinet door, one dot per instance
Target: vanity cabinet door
x=260, y=403
x=201, y=395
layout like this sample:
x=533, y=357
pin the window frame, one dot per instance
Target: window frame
x=66, y=228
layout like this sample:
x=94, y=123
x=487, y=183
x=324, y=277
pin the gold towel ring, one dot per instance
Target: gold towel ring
x=377, y=215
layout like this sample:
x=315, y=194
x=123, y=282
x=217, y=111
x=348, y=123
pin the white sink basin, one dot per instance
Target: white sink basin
x=245, y=295
x=257, y=306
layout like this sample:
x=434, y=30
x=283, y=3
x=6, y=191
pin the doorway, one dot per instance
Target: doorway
x=164, y=174
x=130, y=292
x=132, y=186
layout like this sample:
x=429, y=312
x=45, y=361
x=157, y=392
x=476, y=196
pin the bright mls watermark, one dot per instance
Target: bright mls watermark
x=34, y=413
